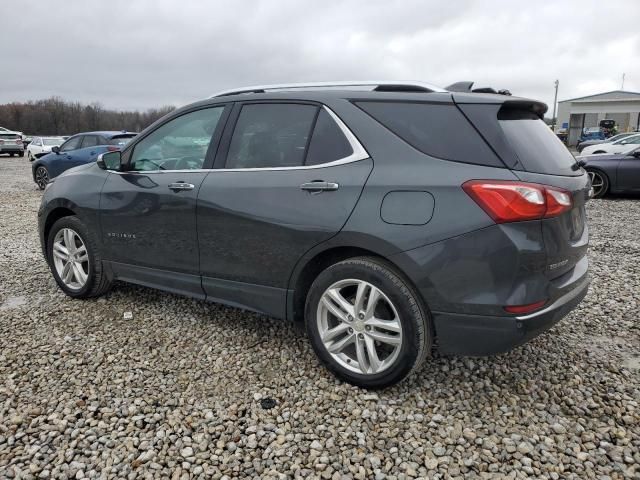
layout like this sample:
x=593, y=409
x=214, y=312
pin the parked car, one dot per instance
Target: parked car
x=8, y=130
x=40, y=146
x=11, y=143
x=77, y=150
x=613, y=173
x=26, y=141
x=592, y=133
x=624, y=145
x=588, y=143
x=378, y=214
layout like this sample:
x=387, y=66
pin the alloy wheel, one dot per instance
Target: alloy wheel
x=42, y=177
x=70, y=258
x=597, y=183
x=359, y=326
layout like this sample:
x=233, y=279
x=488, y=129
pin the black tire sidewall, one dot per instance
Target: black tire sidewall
x=41, y=167
x=406, y=303
x=75, y=224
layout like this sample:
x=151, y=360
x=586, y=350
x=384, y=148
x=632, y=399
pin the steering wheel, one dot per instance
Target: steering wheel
x=189, y=163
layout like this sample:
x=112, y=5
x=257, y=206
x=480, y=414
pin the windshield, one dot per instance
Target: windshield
x=120, y=140
x=51, y=142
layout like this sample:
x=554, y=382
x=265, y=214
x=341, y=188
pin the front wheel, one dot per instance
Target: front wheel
x=599, y=183
x=41, y=177
x=366, y=323
x=75, y=260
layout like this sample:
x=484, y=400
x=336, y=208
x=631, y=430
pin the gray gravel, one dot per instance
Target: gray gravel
x=176, y=391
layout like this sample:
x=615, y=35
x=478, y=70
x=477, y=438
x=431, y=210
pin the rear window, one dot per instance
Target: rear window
x=120, y=140
x=537, y=147
x=438, y=130
x=11, y=136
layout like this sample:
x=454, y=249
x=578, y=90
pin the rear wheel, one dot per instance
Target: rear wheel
x=599, y=183
x=75, y=260
x=366, y=323
x=41, y=177
x=21, y=154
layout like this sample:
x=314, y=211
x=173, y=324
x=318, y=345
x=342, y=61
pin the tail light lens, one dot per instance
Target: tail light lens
x=1, y=142
x=506, y=201
x=520, y=309
x=111, y=148
x=18, y=142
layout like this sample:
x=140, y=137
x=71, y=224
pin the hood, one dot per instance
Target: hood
x=78, y=169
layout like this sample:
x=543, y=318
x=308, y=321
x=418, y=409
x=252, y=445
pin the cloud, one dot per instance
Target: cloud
x=150, y=53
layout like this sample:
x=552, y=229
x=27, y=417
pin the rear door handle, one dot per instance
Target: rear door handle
x=319, y=186
x=178, y=186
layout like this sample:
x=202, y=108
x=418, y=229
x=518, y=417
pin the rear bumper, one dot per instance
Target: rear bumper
x=11, y=148
x=463, y=334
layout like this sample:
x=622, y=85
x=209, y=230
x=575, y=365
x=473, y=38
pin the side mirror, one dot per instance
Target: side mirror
x=109, y=160
x=55, y=150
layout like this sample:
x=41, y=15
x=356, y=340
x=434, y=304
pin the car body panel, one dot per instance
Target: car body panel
x=624, y=145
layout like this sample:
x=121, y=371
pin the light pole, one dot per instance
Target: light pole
x=555, y=101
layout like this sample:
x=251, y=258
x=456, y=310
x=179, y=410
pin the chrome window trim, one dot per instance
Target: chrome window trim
x=359, y=153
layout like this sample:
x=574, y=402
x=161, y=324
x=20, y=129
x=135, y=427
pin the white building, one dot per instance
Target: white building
x=619, y=105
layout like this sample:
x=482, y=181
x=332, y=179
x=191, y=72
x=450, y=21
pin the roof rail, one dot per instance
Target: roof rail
x=379, y=86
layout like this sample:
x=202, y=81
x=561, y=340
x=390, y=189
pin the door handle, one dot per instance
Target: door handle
x=179, y=186
x=319, y=186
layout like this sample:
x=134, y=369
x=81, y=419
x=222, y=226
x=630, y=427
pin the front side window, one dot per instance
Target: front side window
x=271, y=135
x=180, y=144
x=72, y=144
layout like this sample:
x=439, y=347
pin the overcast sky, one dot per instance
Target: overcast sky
x=130, y=54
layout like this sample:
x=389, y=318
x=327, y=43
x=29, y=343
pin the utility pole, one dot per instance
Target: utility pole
x=622, y=88
x=555, y=101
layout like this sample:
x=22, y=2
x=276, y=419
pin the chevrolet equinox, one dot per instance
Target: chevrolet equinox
x=389, y=218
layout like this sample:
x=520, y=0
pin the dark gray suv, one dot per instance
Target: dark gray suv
x=389, y=218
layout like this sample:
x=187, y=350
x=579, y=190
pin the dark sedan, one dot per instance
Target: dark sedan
x=616, y=173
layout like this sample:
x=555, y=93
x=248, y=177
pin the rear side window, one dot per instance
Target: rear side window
x=328, y=143
x=438, y=130
x=271, y=135
x=90, y=141
x=537, y=147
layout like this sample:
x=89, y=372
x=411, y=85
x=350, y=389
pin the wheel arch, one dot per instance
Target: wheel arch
x=602, y=172
x=53, y=216
x=308, y=269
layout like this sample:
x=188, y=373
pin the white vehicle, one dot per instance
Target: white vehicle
x=11, y=143
x=40, y=146
x=624, y=145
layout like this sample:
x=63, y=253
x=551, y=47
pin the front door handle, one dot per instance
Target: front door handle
x=319, y=186
x=179, y=186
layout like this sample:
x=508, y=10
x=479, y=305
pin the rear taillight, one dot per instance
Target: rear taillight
x=111, y=148
x=507, y=201
x=520, y=309
x=1, y=142
x=18, y=142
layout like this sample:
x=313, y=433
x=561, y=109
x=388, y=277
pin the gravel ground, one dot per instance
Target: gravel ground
x=177, y=391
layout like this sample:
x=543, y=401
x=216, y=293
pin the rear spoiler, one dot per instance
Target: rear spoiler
x=467, y=87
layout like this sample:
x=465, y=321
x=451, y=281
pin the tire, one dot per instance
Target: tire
x=97, y=281
x=41, y=177
x=599, y=183
x=398, y=303
x=21, y=154
x=29, y=157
